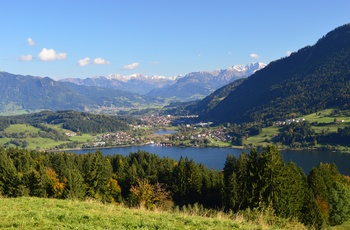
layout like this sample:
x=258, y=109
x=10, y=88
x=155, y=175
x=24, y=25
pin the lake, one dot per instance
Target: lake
x=215, y=158
x=164, y=131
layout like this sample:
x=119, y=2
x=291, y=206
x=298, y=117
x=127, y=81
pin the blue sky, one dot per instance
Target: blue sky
x=62, y=39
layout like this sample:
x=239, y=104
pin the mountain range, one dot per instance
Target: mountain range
x=136, y=83
x=30, y=93
x=195, y=85
x=18, y=92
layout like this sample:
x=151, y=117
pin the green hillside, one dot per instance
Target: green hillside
x=52, y=130
x=316, y=130
x=25, y=94
x=312, y=79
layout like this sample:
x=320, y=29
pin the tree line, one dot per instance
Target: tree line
x=80, y=122
x=253, y=181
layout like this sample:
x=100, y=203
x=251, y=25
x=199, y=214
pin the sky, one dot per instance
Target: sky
x=81, y=39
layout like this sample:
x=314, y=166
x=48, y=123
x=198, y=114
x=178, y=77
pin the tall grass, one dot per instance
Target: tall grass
x=36, y=213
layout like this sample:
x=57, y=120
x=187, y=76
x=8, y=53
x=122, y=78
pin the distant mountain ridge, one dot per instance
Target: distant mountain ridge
x=192, y=86
x=197, y=85
x=135, y=83
x=30, y=93
x=18, y=92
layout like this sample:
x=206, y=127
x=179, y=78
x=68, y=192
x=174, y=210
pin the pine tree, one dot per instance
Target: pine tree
x=328, y=187
x=97, y=172
x=9, y=180
x=179, y=183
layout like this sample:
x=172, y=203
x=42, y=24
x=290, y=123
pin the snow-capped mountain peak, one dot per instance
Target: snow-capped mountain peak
x=142, y=84
x=249, y=68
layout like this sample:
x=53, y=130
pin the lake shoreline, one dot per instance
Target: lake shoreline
x=322, y=148
x=215, y=157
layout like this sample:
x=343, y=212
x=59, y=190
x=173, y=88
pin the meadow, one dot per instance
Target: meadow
x=43, y=213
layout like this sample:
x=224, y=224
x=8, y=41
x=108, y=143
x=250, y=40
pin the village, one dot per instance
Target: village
x=197, y=134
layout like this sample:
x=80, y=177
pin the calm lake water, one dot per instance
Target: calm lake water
x=215, y=158
x=164, y=131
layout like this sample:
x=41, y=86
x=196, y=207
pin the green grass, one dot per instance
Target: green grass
x=13, y=113
x=21, y=128
x=82, y=138
x=344, y=226
x=42, y=143
x=324, y=116
x=266, y=134
x=37, y=213
x=4, y=140
x=39, y=142
x=221, y=144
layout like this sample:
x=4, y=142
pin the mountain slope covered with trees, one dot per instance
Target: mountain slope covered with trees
x=313, y=78
x=29, y=93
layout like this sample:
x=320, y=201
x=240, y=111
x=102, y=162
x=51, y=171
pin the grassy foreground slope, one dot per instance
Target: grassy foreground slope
x=38, y=213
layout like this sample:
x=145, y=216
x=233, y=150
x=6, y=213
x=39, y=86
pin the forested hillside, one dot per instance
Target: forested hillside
x=75, y=121
x=31, y=93
x=28, y=93
x=313, y=78
x=255, y=181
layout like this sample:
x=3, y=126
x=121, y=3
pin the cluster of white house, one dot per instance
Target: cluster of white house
x=289, y=121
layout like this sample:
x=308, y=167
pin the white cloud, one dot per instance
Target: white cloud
x=155, y=62
x=51, y=55
x=254, y=56
x=289, y=53
x=101, y=61
x=84, y=62
x=30, y=42
x=131, y=66
x=61, y=56
x=28, y=57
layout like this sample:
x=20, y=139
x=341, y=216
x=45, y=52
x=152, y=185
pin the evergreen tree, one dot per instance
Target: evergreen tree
x=97, y=172
x=34, y=181
x=328, y=187
x=9, y=180
x=339, y=201
x=74, y=184
x=179, y=183
x=193, y=181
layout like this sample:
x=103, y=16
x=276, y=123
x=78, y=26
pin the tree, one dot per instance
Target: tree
x=146, y=195
x=9, y=180
x=179, y=183
x=331, y=193
x=339, y=202
x=97, y=172
x=55, y=187
x=74, y=187
x=114, y=193
x=35, y=182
